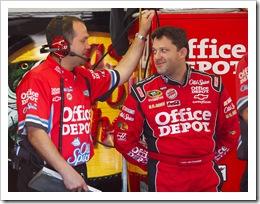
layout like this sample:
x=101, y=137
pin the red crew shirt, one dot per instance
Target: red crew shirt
x=39, y=105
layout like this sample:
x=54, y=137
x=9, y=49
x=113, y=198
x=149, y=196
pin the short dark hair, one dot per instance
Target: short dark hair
x=178, y=37
x=66, y=28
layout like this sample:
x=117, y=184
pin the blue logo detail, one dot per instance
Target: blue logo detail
x=76, y=142
x=80, y=155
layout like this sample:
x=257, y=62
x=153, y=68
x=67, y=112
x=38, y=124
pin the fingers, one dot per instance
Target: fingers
x=148, y=14
x=146, y=22
x=80, y=189
x=85, y=188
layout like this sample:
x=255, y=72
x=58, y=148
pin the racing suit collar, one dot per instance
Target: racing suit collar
x=56, y=67
x=170, y=81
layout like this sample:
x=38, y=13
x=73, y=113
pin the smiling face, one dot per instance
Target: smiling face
x=167, y=58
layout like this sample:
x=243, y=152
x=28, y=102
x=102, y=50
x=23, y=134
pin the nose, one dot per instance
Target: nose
x=157, y=55
x=87, y=46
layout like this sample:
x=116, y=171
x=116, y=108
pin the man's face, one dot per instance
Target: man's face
x=166, y=56
x=79, y=44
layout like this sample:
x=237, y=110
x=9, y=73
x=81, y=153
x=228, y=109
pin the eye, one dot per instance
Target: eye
x=24, y=66
x=163, y=50
x=84, y=40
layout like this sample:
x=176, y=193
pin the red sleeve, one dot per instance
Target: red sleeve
x=33, y=101
x=228, y=129
x=127, y=134
x=100, y=83
x=242, y=83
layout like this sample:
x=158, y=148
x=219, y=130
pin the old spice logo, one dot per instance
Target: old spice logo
x=68, y=89
x=198, y=82
x=204, y=51
x=126, y=116
x=229, y=107
x=244, y=88
x=76, y=142
x=80, y=155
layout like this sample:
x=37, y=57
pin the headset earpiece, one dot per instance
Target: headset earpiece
x=60, y=44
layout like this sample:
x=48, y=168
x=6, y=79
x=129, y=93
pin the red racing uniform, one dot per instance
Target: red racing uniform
x=242, y=104
x=39, y=105
x=187, y=128
x=242, y=83
x=242, y=97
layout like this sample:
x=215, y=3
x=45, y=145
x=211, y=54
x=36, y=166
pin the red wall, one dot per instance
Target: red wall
x=217, y=42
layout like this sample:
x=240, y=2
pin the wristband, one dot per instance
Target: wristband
x=139, y=36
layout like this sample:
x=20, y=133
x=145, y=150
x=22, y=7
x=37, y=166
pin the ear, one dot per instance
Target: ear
x=183, y=52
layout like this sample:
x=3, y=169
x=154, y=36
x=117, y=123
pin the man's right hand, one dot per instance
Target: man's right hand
x=73, y=180
x=47, y=150
x=146, y=20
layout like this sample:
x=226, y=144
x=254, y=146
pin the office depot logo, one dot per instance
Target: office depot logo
x=183, y=120
x=30, y=95
x=207, y=54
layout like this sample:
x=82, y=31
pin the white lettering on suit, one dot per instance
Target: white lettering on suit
x=79, y=115
x=181, y=121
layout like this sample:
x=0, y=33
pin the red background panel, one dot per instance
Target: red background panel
x=217, y=42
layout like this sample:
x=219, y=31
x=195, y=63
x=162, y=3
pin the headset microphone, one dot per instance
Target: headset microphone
x=45, y=49
x=74, y=54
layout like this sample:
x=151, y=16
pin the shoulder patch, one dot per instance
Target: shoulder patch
x=216, y=82
x=138, y=88
x=138, y=91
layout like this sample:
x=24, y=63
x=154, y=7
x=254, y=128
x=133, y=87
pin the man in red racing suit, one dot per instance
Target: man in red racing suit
x=187, y=128
x=54, y=103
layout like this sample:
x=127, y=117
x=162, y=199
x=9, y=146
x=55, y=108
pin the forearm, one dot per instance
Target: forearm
x=46, y=149
x=245, y=115
x=129, y=62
